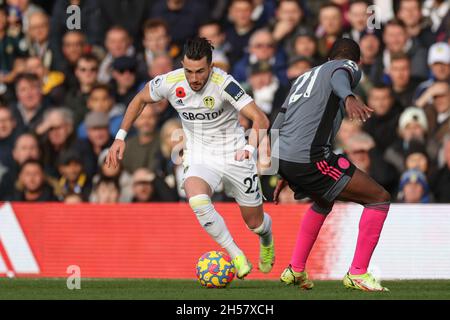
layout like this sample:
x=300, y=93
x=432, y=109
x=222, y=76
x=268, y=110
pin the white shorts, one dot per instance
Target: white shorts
x=240, y=179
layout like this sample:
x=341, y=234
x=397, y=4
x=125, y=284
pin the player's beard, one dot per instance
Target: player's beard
x=198, y=86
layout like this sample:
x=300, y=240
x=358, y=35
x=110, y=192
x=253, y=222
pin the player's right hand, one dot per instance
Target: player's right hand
x=115, y=153
x=356, y=109
x=281, y=184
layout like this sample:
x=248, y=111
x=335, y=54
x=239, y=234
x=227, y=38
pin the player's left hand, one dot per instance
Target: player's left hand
x=281, y=184
x=356, y=109
x=242, y=155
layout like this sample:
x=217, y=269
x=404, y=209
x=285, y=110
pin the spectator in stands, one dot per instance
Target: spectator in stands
x=8, y=135
x=436, y=103
x=106, y=191
x=182, y=16
x=403, y=84
x=297, y=66
x=86, y=72
x=414, y=188
x=439, y=64
x=266, y=90
x=92, y=23
x=118, y=43
x=358, y=15
x=98, y=138
x=440, y=182
x=56, y=133
x=73, y=47
x=124, y=178
x=38, y=33
x=101, y=100
x=348, y=129
x=330, y=27
x=382, y=125
x=397, y=40
x=410, y=13
x=242, y=27
x=413, y=125
x=9, y=47
x=124, y=82
x=26, y=147
x=156, y=42
x=53, y=87
x=289, y=18
x=31, y=185
x=130, y=15
x=261, y=48
x=73, y=198
x=161, y=64
x=213, y=31
x=142, y=149
x=25, y=9
x=31, y=105
x=416, y=157
x=305, y=45
x=361, y=151
x=370, y=46
x=170, y=166
x=148, y=187
x=73, y=179
x=438, y=13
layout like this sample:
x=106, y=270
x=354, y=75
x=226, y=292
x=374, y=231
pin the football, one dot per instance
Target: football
x=215, y=269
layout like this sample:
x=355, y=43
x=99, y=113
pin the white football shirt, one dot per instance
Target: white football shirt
x=209, y=116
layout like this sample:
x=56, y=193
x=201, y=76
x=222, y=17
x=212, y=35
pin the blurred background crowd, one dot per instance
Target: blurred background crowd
x=63, y=93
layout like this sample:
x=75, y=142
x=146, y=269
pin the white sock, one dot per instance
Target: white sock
x=213, y=223
x=264, y=230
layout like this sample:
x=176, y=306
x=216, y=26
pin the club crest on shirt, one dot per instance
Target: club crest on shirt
x=208, y=101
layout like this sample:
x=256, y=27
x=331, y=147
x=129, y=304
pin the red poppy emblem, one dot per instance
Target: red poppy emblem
x=180, y=92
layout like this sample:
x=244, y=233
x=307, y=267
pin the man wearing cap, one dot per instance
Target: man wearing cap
x=98, y=138
x=148, y=187
x=439, y=63
x=413, y=125
x=124, y=80
x=414, y=188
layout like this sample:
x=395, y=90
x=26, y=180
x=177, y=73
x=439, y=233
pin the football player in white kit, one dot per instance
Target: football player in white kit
x=208, y=101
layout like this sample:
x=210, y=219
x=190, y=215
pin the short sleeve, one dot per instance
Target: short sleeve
x=234, y=94
x=157, y=87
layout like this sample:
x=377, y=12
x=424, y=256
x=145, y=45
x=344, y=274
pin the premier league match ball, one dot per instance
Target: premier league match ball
x=215, y=269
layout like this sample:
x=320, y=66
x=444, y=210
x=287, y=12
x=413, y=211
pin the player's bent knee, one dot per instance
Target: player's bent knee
x=201, y=204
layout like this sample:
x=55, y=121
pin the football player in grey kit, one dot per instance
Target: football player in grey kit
x=308, y=122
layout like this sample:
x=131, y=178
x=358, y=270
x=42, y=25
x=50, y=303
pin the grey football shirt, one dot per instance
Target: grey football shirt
x=313, y=111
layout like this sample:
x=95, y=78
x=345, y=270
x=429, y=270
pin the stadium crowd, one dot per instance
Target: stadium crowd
x=63, y=92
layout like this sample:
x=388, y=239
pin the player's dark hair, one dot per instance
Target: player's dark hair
x=197, y=48
x=345, y=48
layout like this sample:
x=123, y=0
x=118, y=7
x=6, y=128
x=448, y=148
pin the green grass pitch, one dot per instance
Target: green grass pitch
x=20, y=288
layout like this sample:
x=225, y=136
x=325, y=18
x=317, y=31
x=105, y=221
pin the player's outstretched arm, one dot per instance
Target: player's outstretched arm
x=134, y=109
x=258, y=135
x=356, y=109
